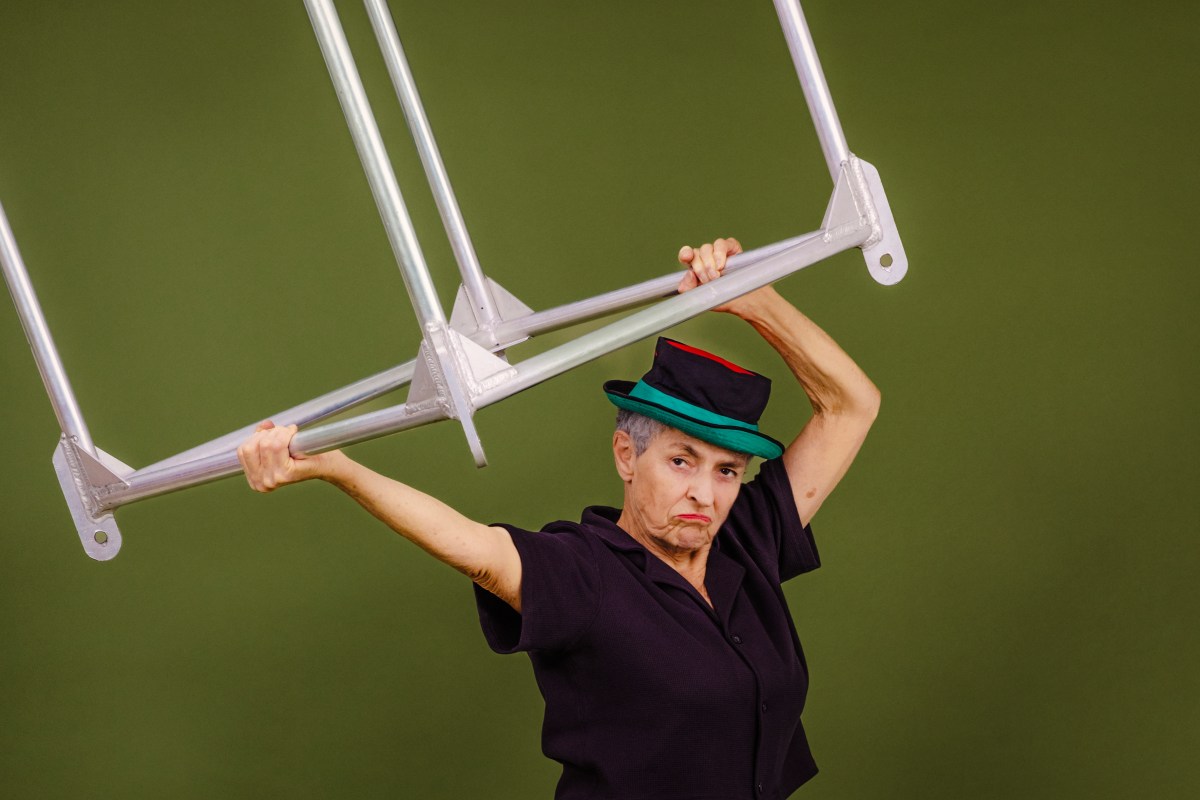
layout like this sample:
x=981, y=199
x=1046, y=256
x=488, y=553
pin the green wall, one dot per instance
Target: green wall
x=1008, y=604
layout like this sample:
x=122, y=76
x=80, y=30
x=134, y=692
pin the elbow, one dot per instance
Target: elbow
x=861, y=404
x=871, y=402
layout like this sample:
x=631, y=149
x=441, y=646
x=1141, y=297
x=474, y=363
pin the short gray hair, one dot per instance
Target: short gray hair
x=641, y=429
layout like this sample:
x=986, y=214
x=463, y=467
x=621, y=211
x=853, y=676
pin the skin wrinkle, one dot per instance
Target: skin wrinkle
x=677, y=475
x=844, y=401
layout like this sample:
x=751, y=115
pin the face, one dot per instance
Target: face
x=678, y=492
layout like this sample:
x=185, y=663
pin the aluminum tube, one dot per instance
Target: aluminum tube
x=147, y=483
x=474, y=283
x=671, y=312
x=378, y=168
x=630, y=297
x=144, y=484
x=54, y=375
x=812, y=79
x=314, y=410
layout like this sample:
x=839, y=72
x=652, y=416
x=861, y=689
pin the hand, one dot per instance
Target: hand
x=707, y=263
x=268, y=464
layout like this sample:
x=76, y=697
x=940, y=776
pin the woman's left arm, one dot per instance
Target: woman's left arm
x=844, y=400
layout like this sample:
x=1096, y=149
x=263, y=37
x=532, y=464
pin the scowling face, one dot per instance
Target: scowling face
x=678, y=492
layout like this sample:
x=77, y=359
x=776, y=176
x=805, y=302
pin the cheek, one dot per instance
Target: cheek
x=727, y=497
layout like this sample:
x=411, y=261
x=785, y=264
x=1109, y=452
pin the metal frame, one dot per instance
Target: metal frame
x=460, y=367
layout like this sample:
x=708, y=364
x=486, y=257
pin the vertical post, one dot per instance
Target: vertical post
x=474, y=282
x=812, y=79
x=373, y=155
x=54, y=376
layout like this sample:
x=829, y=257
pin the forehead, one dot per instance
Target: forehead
x=673, y=439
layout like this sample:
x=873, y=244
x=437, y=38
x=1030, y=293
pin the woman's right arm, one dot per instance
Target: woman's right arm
x=484, y=554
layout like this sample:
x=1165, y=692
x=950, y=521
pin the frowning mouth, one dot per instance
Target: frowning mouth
x=695, y=518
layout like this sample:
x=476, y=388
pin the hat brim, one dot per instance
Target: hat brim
x=730, y=437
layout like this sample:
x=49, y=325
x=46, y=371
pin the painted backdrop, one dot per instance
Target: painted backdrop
x=1007, y=606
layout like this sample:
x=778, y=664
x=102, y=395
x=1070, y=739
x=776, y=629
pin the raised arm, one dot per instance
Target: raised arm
x=484, y=554
x=844, y=401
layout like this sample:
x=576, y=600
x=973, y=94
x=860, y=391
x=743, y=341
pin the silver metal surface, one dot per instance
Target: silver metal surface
x=392, y=210
x=54, y=376
x=812, y=79
x=98, y=532
x=511, y=379
x=456, y=372
x=483, y=305
x=884, y=254
x=673, y=311
x=373, y=154
x=463, y=318
x=630, y=297
x=315, y=410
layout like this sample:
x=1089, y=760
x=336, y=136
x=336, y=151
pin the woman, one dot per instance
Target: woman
x=665, y=652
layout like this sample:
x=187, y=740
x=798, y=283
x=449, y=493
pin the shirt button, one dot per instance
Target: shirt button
x=736, y=639
x=760, y=789
x=764, y=708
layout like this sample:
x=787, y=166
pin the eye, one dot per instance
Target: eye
x=678, y=461
x=729, y=472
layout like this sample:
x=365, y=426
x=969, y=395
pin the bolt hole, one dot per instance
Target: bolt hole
x=101, y=537
x=885, y=260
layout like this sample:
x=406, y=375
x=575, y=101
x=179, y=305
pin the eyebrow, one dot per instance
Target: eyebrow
x=691, y=451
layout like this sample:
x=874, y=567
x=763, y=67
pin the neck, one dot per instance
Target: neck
x=690, y=563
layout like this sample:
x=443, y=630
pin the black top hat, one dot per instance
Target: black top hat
x=702, y=395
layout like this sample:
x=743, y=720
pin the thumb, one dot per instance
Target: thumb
x=686, y=254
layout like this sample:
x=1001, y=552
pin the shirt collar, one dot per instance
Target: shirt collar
x=722, y=577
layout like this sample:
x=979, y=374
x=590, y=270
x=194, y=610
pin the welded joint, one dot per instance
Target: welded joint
x=84, y=480
x=859, y=201
x=508, y=308
x=452, y=371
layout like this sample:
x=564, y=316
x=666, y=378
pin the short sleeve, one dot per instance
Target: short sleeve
x=764, y=518
x=560, y=594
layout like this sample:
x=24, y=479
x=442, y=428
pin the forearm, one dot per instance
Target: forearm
x=484, y=554
x=835, y=385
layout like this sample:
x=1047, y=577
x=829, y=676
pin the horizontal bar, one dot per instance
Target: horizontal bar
x=630, y=297
x=811, y=249
x=339, y=400
x=532, y=371
x=152, y=483
x=671, y=312
x=314, y=410
x=54, y=375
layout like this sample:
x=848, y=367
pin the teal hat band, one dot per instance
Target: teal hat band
x=644, y=391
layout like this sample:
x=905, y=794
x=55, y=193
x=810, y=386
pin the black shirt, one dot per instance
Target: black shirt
x=650, y=693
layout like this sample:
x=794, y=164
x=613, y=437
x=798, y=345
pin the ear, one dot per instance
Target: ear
x=624, y=455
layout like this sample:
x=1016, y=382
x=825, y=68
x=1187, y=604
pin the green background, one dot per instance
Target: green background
x=1008, y=605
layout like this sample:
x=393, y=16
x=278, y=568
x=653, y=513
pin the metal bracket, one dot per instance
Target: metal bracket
x=858, y=198
x=462, y=316
x=451, y=372
x=883, y=251
x=81, y=475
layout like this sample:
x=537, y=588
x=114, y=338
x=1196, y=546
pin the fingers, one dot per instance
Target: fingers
x=707, y=262
x=723, y=249
x=265, y=457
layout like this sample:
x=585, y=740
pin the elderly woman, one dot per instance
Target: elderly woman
x=659, y=633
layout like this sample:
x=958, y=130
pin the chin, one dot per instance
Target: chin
x=693, y=539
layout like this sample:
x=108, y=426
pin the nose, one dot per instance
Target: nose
x=700, y=490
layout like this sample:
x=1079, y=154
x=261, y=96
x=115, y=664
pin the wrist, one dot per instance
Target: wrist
x=335, y=468
x=755, y=306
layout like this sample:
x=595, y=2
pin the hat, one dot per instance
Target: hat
x=702, y=395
